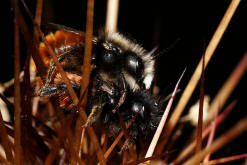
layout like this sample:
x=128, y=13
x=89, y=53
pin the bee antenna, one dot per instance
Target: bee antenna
x=168, y=49
x=152, y=53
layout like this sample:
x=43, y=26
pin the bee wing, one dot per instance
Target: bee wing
x=66, y=29
x=55, y=27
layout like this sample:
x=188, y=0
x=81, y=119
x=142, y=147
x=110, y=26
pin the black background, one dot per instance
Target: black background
x=161, y=23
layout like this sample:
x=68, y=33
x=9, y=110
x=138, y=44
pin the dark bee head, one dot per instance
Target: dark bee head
x=114, y=54
x=149, y=109
x=112, y=57
x=109, y=53
x=141, y=103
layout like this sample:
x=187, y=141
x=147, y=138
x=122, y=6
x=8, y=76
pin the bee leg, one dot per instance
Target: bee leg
x=61, y=59
x=122, y=93
x=50, y=74
x=105, y=86
x=95, y=113
x=47, y=91
x=130, y=141
x=52, y=70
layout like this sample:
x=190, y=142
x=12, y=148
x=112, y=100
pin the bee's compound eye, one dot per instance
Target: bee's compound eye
x=109, y=58
x=138, y=107
x=133, y=64
x=109, y=55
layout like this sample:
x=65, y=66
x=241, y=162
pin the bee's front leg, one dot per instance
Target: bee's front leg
x=95, y=109
x=122, y=93
x=129, y=141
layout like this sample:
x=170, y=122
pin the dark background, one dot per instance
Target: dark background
x=161, y=23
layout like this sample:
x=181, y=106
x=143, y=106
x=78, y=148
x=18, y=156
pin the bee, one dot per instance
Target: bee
x=121, y=74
